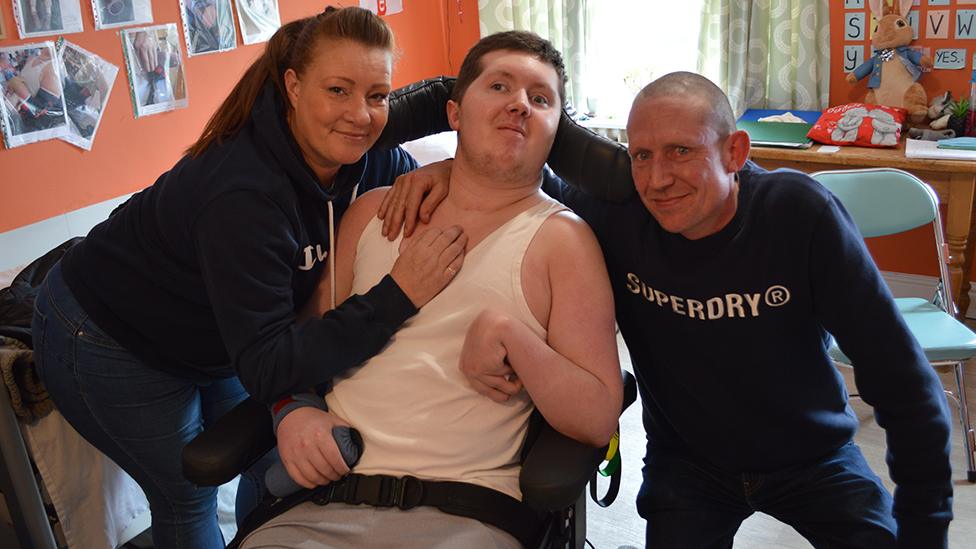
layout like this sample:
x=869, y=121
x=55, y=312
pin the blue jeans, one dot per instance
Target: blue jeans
x=138, y=416
x=835, y=502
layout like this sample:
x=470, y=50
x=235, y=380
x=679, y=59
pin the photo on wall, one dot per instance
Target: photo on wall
x=154, y=61
x=208, y=26
x=33, y=107
x=47, y=17
x=88, y=80
x=110, y=14
x=259, y=19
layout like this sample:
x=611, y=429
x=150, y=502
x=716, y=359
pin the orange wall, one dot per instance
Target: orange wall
x=41, y=180
x=913, y=251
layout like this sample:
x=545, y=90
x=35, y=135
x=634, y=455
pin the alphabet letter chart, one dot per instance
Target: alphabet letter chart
x=942, y=30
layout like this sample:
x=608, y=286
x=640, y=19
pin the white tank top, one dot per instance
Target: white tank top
x=416, y=412
x=33, y=72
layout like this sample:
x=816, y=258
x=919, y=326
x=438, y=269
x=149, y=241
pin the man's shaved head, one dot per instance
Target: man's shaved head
x=697, y=89
x=684, y=154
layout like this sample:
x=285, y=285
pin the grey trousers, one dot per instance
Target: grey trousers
x=340, y=526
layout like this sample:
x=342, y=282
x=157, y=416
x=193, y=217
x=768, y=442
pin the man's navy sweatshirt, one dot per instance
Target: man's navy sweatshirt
x=729, y=337
x=202, y=273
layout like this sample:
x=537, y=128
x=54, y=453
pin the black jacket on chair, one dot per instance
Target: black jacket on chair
x=17, y=300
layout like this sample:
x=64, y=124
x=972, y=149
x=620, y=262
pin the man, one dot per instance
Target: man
x=521, y=298
x=726, y=314
x=727, y=280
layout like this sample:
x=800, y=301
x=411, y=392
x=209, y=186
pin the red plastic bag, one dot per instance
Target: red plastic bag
x=860, y=124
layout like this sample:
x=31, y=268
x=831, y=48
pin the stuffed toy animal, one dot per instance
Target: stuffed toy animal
x=894, y=68
x=941, y=105
x=930, y=135
x=940, y=110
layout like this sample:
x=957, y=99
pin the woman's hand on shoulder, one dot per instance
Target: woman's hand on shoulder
x=429, y=262
x=414, y=195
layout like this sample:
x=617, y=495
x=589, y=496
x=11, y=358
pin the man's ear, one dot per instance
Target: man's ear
x=453, y=114
x=292, y=86
x=737, y=148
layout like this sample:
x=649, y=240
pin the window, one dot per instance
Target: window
x=631, y=43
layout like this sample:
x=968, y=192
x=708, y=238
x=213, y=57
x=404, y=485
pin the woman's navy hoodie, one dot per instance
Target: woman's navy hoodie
x=202, y=273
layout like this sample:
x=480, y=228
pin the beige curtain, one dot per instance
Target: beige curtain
x=562, y=22
x=771, y=54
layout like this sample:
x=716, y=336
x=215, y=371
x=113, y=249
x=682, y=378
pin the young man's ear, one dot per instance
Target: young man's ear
x=737, y=148
x=453, y=114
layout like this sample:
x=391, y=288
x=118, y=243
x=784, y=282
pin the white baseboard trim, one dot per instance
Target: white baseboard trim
x=25, y=244
x=912, y=285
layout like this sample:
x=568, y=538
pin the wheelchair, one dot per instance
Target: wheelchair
x=555, y=468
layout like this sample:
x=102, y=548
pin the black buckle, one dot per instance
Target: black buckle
x=376, y=490
x=324, y=494
x=405, y=493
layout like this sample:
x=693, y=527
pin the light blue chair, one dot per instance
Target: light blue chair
x=886, y=201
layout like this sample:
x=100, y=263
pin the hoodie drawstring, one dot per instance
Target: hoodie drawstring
x=332, y=252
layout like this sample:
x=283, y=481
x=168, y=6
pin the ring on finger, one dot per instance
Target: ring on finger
x=451, y=271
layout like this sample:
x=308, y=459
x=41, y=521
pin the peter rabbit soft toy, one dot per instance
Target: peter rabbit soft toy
x=894, y=67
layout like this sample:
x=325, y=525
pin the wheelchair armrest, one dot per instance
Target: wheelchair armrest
x=556, y=468
x=231, y=445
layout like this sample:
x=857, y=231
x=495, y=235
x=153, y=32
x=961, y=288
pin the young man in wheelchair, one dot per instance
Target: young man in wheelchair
x=532, y=303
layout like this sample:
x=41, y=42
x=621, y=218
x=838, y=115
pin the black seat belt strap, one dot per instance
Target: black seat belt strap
x=454, y=498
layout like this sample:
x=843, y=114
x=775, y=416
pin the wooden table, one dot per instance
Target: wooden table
x=953, y=180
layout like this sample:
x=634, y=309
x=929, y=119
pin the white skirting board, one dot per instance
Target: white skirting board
x=24, y=244
x=912, y=285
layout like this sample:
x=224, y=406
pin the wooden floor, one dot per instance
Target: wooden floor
x=619, y=527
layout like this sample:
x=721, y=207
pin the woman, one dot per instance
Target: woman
x=143, y=329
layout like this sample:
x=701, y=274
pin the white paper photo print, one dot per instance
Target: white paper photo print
x=47, y=17
x=110, y=14
x=154, y=61
x=32, y=107
x=87, y=83
x=259, y=19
